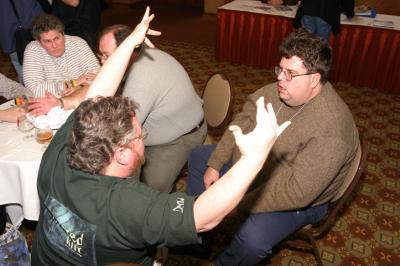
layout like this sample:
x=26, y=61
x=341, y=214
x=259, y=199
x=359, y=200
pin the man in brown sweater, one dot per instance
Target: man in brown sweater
x=308, y=162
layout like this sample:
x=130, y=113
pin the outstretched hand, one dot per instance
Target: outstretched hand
x=142, y=30
x=257, y=143
x=41, y=106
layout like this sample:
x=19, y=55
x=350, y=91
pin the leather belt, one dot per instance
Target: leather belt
x=196, y=127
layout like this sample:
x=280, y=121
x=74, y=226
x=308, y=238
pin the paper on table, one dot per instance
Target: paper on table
x=383, y=23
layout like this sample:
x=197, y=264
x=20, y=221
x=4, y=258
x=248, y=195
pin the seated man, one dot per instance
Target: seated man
x=307, y=165
x=11, y=89
x=156, y=81
x=91, y=214
x=56, y=62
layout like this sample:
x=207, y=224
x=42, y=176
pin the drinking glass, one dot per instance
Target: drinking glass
x=25, y=126
x=43, y=134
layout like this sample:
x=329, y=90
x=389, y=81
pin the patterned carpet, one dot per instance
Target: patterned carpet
x=368, y=232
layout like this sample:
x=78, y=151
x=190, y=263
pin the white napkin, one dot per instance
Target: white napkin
x=54, y=118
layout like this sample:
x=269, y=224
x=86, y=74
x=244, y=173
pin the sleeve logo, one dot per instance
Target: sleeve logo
x=180, y=204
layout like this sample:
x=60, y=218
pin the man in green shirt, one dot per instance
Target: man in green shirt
x=92, y=214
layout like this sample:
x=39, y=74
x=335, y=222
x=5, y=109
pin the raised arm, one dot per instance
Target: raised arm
x=217, y=201
x=107, y=81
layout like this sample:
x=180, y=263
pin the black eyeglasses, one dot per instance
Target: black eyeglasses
x=288, y=75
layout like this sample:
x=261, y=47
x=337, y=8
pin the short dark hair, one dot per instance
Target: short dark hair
x=44, y=23
x=101, y=124
x=120, y=32
x=313, y=50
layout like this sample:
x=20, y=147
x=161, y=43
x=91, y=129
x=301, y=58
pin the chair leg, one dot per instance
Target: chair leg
x=315, y=250
x=161, y=257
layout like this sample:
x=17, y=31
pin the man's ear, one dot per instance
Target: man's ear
x=119, y=156
x=315, y=79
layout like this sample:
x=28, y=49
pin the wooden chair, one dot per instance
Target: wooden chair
x=305, y=238
x=217, y=104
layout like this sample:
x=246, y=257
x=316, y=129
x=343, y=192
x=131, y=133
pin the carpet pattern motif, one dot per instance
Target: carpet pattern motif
x=368, y=232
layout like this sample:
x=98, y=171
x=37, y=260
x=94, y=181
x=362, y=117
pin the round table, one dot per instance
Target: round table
x=19, y=165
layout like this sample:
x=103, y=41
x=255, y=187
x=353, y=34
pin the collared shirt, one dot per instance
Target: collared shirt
x=43, y=72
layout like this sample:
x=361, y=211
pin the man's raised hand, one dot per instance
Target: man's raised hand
x=257, y=143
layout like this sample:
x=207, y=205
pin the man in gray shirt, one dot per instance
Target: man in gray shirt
x=169, y=108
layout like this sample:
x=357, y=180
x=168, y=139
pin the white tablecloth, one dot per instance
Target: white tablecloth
x=261, y=8
x=19, y=165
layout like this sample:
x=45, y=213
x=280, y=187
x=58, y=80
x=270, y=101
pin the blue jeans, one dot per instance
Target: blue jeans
x=18, y=67
x=316, y=25
x=197, y=165
x=260, y=232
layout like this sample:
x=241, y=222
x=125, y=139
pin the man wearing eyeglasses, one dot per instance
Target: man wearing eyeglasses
x=307, y=165
x=169, y=107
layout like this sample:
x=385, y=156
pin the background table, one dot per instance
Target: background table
x=363, y=55
x=19, y=166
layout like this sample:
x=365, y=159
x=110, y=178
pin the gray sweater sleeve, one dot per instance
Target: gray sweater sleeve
x=11, y=89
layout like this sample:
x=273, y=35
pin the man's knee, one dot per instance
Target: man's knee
x=256, y=243
x=246, y=249
x=200, y=155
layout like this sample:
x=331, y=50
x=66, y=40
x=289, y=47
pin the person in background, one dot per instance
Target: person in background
x=307, y=164
x=92, y=214
x=11, y=89
x=81, y=18
x=323, y=17
x=27, y=11
x=55, y=62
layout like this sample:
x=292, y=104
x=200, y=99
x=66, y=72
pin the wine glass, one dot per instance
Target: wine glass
x=24, y=125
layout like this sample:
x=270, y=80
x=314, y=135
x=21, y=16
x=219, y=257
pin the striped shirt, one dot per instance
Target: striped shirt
x=43, y=72
x=10, y=89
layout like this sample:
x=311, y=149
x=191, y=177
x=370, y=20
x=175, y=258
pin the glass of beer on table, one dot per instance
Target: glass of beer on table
x=43, y=133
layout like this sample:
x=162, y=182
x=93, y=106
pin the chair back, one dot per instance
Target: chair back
x=217, y=103
x=350, y=182
x=305, y=238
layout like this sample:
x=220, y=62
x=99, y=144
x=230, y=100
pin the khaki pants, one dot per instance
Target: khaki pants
x=164, y=162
